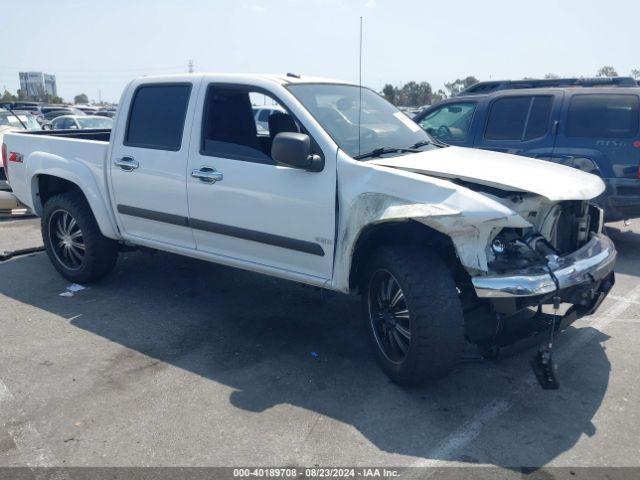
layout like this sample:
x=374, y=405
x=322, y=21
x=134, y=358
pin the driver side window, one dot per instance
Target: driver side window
x=450, y=123
x=241, y=123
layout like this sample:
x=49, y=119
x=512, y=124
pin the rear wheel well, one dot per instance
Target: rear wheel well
x=408, y=233
x=48, y=186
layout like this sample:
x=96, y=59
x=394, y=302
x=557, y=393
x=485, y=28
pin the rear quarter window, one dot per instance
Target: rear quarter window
x=157, y=115
x=603, y=116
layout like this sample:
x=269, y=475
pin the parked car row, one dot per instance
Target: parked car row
x=46, y=113
x=45, y=117
x=78, y=122
x=589, y=124
x=12, y=121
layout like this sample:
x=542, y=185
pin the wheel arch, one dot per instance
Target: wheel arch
x=399, y=233
x=46, y=185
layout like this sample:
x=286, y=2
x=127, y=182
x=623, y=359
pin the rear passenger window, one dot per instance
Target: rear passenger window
x=156, y=118
x=539, y=116
x=507, y=118
x=603, y=116
x=519, y=118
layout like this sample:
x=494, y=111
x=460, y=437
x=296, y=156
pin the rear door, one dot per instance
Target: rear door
x=521, y=124
x=149, y=163
x=599, y=134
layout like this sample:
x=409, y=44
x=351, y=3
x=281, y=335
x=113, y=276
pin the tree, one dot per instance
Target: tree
x=459, y=84
x=438, y=96
x=8, y=97
x=390, y=93
x=425, y=94
x=413, y=94
x=607, y=71
x=551, y=76
x=635, y=73
x=81, y=98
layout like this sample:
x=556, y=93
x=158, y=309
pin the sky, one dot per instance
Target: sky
x=95, y=47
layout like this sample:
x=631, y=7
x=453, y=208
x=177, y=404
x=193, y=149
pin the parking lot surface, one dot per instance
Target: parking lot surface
x=173, y=361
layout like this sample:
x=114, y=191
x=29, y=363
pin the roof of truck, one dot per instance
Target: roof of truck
x=283, y=78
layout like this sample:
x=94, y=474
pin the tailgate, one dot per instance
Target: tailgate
x=13, y=160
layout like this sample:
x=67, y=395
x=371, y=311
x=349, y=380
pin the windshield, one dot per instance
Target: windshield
x=8, y=118
x=95, y=122
x=382, y=125
x=30, y=121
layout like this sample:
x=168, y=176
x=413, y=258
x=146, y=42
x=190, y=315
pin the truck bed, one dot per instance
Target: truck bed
x=97, y=134
x=75, y=155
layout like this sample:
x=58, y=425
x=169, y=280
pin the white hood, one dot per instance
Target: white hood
x=501, y=170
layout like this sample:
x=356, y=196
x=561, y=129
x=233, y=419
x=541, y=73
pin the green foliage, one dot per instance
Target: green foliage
x=411, y=94
x=438, y=96
x=460, y=84
x=607, y=71
x=81, y=98
x=390, y=92
x=8, y=97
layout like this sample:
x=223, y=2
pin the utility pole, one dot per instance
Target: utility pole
x=190, y=66
x=100, y=96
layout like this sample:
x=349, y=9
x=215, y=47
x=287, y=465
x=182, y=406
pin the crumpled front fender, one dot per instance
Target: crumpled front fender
x=370, y=194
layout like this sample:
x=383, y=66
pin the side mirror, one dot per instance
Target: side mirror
x=47, y=126
x=294, y=149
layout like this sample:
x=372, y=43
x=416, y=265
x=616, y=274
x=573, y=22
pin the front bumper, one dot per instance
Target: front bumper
x=621, y=199
x=588, y=265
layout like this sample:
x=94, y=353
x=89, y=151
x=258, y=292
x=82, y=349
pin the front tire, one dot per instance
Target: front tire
x=413, y=313
x=76, y=247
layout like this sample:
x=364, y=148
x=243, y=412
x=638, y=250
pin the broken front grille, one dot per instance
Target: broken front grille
x=575, y=223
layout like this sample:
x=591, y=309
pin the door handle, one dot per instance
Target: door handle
x=207, y=174
x=128, y=164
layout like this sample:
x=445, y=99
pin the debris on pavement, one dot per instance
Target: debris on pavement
x=72, y=289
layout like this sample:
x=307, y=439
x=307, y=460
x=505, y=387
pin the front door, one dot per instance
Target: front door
x=245, y=208
x=149, y=165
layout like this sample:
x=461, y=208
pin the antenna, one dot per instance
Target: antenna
x=360, y=88
x=190, y=66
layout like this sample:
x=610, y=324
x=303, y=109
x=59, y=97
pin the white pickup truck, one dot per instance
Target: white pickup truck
x=343, y=192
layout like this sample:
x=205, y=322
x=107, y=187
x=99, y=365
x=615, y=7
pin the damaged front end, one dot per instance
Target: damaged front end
x=563, y=258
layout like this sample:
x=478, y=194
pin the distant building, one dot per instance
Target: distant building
x=37, y=84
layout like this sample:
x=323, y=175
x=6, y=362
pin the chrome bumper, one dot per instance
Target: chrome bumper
x=591, y=263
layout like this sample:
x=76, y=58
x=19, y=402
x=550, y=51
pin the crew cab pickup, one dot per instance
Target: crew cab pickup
x=343, y=192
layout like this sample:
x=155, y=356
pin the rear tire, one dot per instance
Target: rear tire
x=413, y=313
x=76, y=247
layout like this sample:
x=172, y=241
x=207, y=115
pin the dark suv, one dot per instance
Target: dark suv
x=589, y=124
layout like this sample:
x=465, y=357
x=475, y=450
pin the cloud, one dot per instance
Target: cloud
x=255, y=8
x=371, y=4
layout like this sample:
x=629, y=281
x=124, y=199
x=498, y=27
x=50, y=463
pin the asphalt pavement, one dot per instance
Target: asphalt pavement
x=174, y=361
